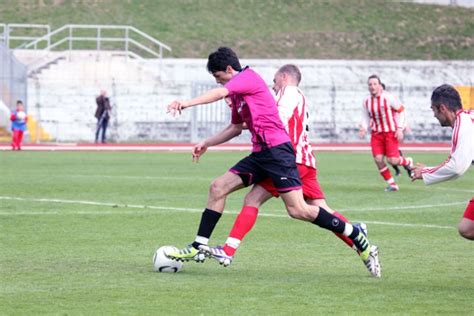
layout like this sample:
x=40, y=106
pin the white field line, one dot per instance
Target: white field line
x=187, y=178
x=193, y=210
x=188, y=148
x=208, y=179
x=453, y=190
x=398, y=208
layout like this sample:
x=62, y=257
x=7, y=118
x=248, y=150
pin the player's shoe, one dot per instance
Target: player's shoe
x=392, y=188
x=362, y=228
x=217, y=253
x=188, y=253
x=372, y=263
x=409, y=167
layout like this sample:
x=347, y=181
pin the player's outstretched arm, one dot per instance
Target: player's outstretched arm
x=205, y=98
x=231, y=131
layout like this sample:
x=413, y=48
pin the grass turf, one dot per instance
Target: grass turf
x=319, y=29
x=74, y=240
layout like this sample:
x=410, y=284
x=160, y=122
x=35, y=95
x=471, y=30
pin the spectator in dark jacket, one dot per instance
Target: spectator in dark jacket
x=103, y=115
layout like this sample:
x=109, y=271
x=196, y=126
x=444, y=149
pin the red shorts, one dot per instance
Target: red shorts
x=384, y=143
x=469, y=212
x=311, y=188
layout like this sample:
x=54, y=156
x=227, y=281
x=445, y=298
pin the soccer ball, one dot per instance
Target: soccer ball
x=20, y=115
x=161, y=263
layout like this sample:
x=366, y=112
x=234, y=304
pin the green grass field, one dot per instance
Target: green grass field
x=319, y=29
x=75, y=239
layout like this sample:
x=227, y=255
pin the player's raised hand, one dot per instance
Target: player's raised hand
x=175, y=107
x=362, y=132
x=199, y=150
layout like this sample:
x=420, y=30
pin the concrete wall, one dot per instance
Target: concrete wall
x=62, y=96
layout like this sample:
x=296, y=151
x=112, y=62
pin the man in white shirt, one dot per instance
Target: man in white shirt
x=447, y=108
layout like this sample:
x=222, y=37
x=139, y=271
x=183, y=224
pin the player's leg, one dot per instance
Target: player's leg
x=396, y=169
x=322, y=203
x=297, y=208
x=19, y=140
x=105, y=123
x=14, y=139
x=377, y=143
x=242, y=225
x=97, y=130
x=409, y=167
x=385, y=173
x=394, y=156
x=219, y=189
x=466, y=225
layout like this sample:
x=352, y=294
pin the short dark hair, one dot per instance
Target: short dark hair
x=383, y=85
x=19, y=102
x=221, y=58
x=291, y=70
x=447, y=95
x=375, y=77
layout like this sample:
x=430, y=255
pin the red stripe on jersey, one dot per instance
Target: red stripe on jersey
x=373, y=124
x=388, y=116
x=281, y=94
x=434, y=169
x=379, y=114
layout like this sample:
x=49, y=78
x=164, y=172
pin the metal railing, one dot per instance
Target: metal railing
x=13, y=78
x=131, y=40
x=16, y=36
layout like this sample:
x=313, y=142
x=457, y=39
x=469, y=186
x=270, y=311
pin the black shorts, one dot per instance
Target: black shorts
x=277, y=163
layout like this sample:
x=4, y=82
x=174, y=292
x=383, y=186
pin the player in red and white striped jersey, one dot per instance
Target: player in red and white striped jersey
x=384, y=114
x=447, y=108
x=293, y=112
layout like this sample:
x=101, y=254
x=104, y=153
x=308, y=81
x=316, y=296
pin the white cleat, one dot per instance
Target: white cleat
x=372, y=263
x=217, y=253
x=392, y=188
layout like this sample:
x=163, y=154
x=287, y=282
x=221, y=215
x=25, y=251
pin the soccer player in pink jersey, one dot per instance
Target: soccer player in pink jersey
x=386, y=116
x=447, y=108
x=272, y=156
x=292, y=108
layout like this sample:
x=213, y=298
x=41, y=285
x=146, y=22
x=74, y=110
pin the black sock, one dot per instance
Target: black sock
x=361, y=244
x=328, y=221
x=209, y=221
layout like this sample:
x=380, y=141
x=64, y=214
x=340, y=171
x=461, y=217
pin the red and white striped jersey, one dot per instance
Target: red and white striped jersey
x=384, y=113
x=292, y=107
x=462, y=151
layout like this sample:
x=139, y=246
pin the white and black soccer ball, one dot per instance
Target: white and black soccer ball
x=161, y=263
x=20, y=115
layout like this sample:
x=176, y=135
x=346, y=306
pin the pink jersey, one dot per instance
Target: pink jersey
x=253, y=104
x=381, y=112
x=293, y=112
x=462, y=151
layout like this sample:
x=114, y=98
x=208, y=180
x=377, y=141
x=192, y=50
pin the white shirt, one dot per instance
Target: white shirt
x=462, y=151
x=384, y=113
x=292, y=108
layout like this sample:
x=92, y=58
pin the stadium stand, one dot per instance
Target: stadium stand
x=62, y=86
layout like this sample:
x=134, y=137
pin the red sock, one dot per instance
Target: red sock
x=345, y=239
x=19, y=140
x=386, y=174
x=242, y=225
x=403, y=161
x=15, y=139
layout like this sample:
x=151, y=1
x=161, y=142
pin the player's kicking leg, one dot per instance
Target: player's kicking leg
x=218, y=192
